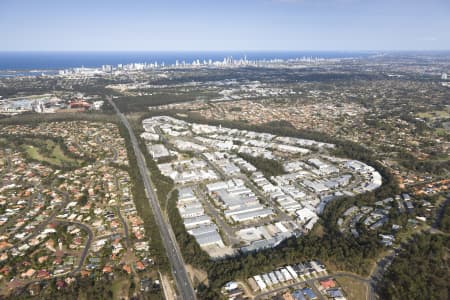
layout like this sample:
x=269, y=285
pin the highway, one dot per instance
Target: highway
x=179, y=272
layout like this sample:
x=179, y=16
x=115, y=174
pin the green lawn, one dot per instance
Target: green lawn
x=354, y=289
x=51, y=153
x=441, y=131
x=434, y=114
x=120, y=288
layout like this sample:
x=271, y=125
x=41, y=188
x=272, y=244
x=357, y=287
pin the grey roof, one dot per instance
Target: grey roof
x=257, y=245
x=203, y=229
x=252, y=214
x=208, y=238
x=242, y=209
x=185, y=193
x=189, y=221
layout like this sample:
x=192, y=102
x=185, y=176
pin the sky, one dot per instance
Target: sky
x=224, y=25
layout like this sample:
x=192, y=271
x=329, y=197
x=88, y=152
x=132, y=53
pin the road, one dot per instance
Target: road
x=179, y=272
x=41, y=226
x=383, y=264
x=80, y=262
x=88, y=243
x=381, y=267
x=440, y=212
x=281, y=215
x=229, y=234
x=119, y=213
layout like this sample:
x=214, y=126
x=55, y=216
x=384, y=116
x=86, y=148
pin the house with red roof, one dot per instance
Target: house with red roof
x=328, y=283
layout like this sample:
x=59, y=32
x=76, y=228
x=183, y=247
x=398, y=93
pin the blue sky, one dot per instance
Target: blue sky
x=208, y=25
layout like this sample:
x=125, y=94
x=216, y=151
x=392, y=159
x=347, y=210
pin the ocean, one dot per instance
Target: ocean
x=39, y=61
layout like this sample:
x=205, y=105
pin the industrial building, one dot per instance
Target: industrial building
x=158, y=151
x=196, y=222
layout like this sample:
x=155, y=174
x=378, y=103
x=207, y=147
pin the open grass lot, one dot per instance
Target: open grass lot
x=197, y=275
x=435, y=114
x=82, y=296
x=50, y=152
x=354, y=289
x=2, y=162
x=442, y=131
x=120, y=288
x=43, y=150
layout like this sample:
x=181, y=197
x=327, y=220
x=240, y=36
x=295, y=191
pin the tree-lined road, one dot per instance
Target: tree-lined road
x=179, y=272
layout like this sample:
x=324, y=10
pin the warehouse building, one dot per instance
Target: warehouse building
x=190, y=223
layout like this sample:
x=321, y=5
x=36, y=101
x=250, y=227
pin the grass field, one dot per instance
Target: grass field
x=354, y=289
x=2, y=162
x=441, y=131
x=49, y=152
x=434, y=114
x=120, y=288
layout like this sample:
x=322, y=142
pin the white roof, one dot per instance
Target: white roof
x=305, y=214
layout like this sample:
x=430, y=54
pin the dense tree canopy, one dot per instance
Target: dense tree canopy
x=421, y=271
x=269, y=167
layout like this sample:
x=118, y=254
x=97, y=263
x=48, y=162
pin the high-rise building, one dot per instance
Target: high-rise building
x=444, y=76
x=107, y=68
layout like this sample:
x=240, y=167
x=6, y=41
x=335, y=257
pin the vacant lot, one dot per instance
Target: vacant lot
x=354, y=289
x=434, y=114
x=49, y=152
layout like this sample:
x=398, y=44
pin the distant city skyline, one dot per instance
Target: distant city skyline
x=246, y=25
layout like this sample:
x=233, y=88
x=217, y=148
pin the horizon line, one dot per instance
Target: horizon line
x=235, y=50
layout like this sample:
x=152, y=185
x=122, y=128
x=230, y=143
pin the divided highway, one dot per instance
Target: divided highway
x=179, y=272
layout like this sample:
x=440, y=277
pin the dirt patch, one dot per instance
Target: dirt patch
x=318, y=230
x=169, y=292
x=248, y=292
x=197, y=276
x=120, y=289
